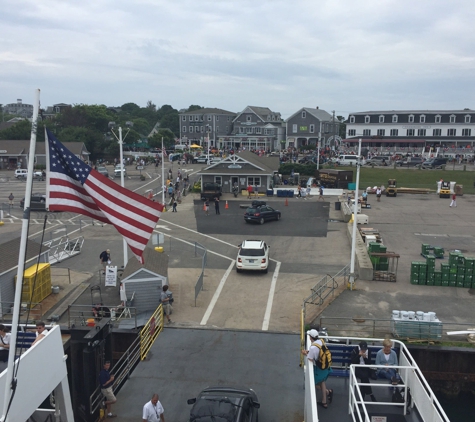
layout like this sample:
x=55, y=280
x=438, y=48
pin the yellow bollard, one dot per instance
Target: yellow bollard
x=159, y=249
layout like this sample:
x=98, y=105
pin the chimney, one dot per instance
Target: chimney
x=18, y=101
x=317, y=107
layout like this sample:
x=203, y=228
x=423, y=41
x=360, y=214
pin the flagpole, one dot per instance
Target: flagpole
x=163, y=175
x=122, y=183
x=21, y=256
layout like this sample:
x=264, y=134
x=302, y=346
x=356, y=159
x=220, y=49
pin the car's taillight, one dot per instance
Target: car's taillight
x=263, y=261
x=239, y=260
x=257, y=214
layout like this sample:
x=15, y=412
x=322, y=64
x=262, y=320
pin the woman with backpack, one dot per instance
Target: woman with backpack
x=320, y=356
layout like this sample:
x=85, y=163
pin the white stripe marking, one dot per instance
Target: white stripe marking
x=270, y=300
x=216, y=294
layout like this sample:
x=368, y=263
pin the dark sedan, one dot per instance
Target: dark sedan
x=261, y=214
x=225, y=404
x=38, y=202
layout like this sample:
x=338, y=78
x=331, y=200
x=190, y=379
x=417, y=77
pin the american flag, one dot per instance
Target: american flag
x=74, y=186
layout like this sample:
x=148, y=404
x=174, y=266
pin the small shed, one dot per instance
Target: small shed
x=9, y=267
x=145, y=281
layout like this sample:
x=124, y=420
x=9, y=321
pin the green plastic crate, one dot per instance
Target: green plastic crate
x=438, y=252
x=469, y=262
x=445, y=268
x=453, y=258
x=425, y=248
x=467, y=285
x=373, y=247
x=414, y=266
x=445, y=283
x=453, y=277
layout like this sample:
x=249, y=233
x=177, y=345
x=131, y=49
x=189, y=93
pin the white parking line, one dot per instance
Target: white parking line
x=270, y=299
x=216, y=294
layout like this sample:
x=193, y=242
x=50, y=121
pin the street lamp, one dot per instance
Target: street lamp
x=355, y=219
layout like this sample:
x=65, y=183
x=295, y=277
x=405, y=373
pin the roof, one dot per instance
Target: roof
x=10, y=250
x=261, y=112
x=155, y=262
x=209, y=111
x=320, y=114
x=250, y=164
x=23, y=147
x=467, y=110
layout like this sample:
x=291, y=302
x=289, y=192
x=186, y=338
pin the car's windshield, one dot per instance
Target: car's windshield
x=252, y=252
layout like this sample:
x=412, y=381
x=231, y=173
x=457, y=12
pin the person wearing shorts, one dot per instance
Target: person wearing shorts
x=167, y=307
x=107, y=380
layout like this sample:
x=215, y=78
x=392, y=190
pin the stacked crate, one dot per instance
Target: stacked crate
x=374, y=247
x=458, y=272
x=36, y=283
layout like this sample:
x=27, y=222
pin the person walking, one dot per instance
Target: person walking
x=174, y=205
x=216, y=205
x=10, y=199
x=105, y=258
x=454, y=200
x=320, y=193
x=378, y=194
x=153, y=410
x=206, y=206
x=299, y=191
x=107, y=380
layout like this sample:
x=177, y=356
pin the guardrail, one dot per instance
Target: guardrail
x=78, y=315
x=150, y=332
x=35, y=313
x=199, y=282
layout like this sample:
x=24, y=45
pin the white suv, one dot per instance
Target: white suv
x=253, y=255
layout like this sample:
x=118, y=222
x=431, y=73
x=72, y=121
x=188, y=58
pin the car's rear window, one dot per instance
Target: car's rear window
x=252, y=252
x=251, y=210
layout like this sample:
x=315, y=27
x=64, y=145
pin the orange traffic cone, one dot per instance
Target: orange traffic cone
x=286, y=202
x=227, y=206
x=204, y=206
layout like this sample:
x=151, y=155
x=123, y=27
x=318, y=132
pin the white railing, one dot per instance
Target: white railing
x=423, y=398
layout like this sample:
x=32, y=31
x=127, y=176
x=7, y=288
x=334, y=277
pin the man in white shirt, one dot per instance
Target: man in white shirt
x=153, y=411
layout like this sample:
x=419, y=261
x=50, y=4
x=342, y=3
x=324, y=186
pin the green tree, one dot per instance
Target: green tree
x=171, y=121
x=130, y=108
x=194, y=107
x=19, y=131
x=142, y=126
x=342, y=132
x=151, y=105
x=168, y=139
x=93, y=140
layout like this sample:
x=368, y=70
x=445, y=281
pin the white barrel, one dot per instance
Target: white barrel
x=420, y=315
x=396, y=314
x=404, y=315
x=431, y=316
x=426, y=316
x=411, y=314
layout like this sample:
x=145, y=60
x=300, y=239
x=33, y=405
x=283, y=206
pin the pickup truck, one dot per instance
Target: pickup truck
x=210, y=191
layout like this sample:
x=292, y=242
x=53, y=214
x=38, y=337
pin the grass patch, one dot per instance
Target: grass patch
x=413, y=178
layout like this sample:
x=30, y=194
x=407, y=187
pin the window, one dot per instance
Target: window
x=410, y=132
x=351, y=132
x=352, y=119
x=366, y=132
x=258, y=130
x=228, y=118
x=381, y=119
x=202, y=129
x=190, y=118
x=451, y=132
x=381, y=132
x=209, y=118
x=422, y=118
x=273, y=118
x=183, y=118
x=467, y=118
x=183, y=129
x=304, y=114
x=241, y=130
x=254, y=181
x=394, y=132
x=249, y=130
x=216, y=129
x=218, y=180
x=197, y=129
x=268, y=118
x=312, y=128
x=248, y=118
x=437, y=132
x=421, y=132
x=466, y=132
x=438, y=119
x=217, y=118
x=227, y=129
x=294, y=128
x=452, y=118
x=197, y=118
x=191, y=129
x=411, y=118
x=366, y=119
x=394, y=118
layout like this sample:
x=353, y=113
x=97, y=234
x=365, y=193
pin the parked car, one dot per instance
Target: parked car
x=253, y=255
x=119, y=168
x=260, y=214
x=225, y=404
x=410, y=162
x=21, y=173
x=38, y=202
x=434, y=163
x=103, y=171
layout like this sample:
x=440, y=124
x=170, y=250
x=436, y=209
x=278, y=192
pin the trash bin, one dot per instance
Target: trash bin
x=270, y=192
x=337, y=206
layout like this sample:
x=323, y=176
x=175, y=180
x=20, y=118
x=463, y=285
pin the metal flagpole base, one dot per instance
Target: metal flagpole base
x=352, y=282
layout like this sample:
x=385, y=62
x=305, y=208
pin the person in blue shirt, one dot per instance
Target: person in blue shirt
x=107, y=380
x=387, y=356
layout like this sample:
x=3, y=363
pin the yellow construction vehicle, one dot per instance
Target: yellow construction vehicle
x=392, y=188
x=444, y=190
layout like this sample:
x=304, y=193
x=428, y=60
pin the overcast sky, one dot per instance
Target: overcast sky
x=342, y=55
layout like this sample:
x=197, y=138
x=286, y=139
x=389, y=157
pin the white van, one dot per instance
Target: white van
x=347, y=160
x=21, y=173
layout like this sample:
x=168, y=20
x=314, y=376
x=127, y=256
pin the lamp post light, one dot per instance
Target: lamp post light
x=355, y=220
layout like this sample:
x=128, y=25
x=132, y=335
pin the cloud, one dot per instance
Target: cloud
x=342, y=55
